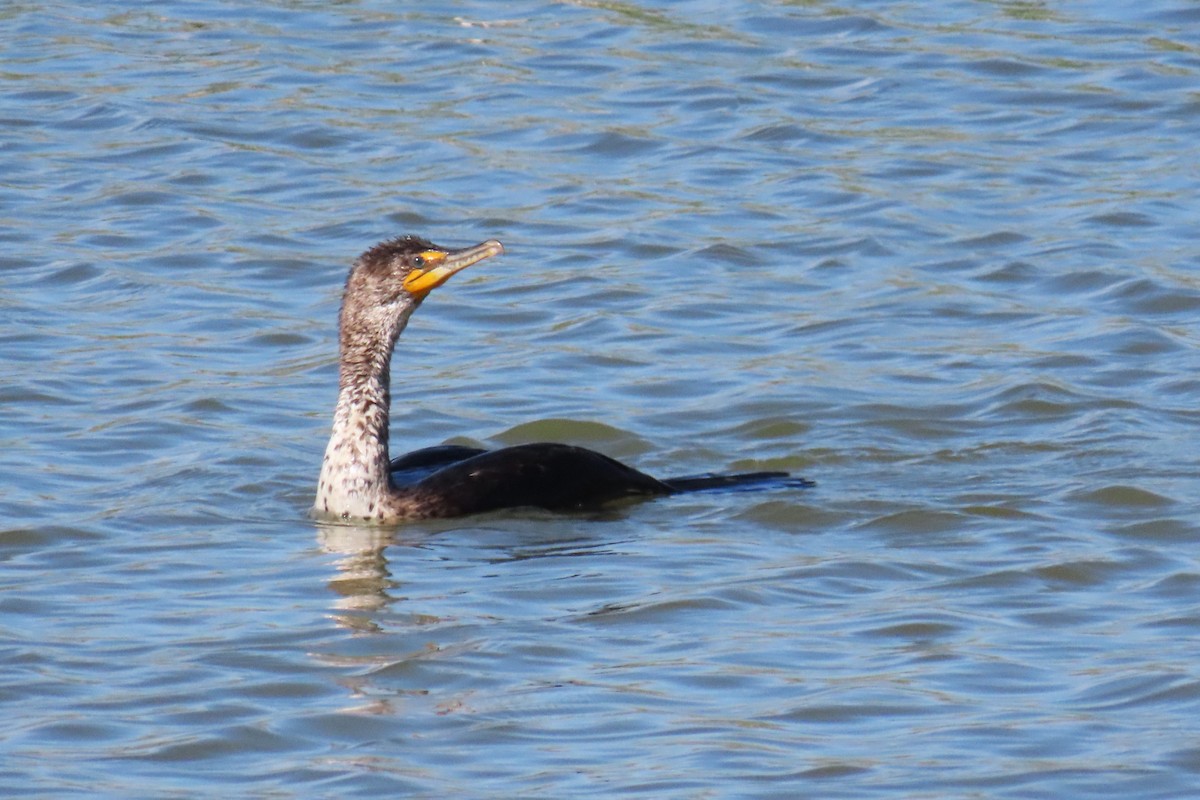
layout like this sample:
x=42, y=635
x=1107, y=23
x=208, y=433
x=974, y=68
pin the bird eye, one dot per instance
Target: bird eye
x=418, y=261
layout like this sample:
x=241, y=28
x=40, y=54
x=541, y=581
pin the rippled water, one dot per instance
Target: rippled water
x=941, y=259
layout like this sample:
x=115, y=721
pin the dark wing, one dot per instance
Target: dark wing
x=412, y=467
x=557, y=477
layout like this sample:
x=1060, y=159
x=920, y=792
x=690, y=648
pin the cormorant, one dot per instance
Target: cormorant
x=358, y=480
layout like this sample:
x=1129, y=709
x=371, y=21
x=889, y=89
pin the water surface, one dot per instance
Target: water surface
x=941, y=261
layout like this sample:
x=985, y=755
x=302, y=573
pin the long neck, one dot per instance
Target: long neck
x=354, y=482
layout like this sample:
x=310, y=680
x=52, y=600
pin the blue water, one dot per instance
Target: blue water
x=939, y=259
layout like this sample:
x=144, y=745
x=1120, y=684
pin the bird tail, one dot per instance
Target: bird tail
x=740, y=482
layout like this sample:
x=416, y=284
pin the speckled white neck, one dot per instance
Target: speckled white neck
x=354, y=482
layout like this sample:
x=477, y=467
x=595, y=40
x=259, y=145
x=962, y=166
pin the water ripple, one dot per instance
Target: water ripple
x=945, y=268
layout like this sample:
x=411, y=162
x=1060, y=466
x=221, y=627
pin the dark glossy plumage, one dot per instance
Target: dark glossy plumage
x=557, y=477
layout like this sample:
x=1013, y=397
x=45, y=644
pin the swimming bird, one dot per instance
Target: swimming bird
x=360, y=483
